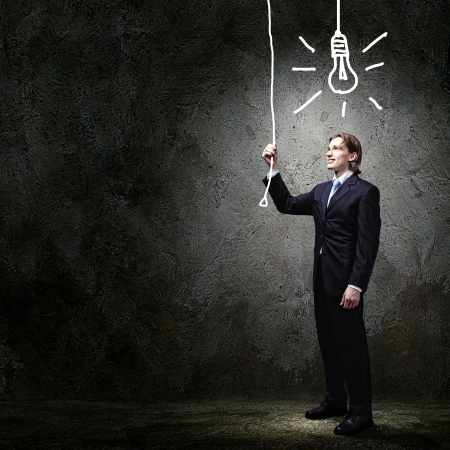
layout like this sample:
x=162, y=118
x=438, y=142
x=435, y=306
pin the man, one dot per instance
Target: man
x=346, y=215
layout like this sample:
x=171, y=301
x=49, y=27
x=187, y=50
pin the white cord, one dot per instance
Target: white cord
x=338, y=26
x=263, y=201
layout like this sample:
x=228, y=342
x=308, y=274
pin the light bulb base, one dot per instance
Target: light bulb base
x=339, y=45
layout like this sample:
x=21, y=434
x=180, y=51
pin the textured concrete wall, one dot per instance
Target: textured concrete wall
x=135, y=261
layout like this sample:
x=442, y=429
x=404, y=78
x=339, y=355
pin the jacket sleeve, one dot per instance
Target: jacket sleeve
x=287, y=203
x=369, y=225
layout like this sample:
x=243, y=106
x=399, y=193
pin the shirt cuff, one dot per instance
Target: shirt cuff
x=355, y=287
x=275, y=172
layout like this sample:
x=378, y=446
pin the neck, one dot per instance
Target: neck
x=340, y=173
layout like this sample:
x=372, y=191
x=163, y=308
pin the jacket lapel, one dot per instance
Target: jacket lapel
x=342, y=191
x=325, y=194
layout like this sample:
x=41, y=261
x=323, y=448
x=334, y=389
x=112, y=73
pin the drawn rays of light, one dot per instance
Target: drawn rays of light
x=375, y=103
x=375, y=65
x=375, y=41
x=308, y=102
x=306, y=45
x=313, y=69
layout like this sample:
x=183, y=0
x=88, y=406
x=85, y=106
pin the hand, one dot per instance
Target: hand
x=269, y=152
x=351, y=298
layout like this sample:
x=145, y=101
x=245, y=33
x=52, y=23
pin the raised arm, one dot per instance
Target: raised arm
x=269, y=152
x=284, y=201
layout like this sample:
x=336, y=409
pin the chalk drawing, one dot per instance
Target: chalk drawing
x=375, y=103
x=375, y=41
x=306, y=45
x=341, y=56
x=308, y=102
x=375, y=65
x=342, y=80
x=264, y=201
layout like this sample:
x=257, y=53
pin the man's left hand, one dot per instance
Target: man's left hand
x=351, y=298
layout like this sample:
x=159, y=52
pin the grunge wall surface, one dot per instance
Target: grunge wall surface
x=135, y=261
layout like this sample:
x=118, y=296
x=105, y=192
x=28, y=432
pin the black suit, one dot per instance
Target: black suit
x=346, y=246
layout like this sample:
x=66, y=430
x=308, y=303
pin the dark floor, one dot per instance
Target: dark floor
x=214, y=425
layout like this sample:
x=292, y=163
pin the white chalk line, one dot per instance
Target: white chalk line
x=306, y=45
x=338, y=25
x=343, y=108
x=375, y=41
x=375, y=65
x=264, y=201
x=375, y=103
x=308, y=102
x=271, y=72
x=303, y=69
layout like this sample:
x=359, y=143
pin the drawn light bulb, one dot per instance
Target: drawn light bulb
x=342, y=78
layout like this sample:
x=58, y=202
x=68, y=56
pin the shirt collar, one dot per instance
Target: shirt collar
x=344, y=177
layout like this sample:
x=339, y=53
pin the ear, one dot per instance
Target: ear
x=353, y=157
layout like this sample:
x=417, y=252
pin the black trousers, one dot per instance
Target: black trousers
x=345, y=354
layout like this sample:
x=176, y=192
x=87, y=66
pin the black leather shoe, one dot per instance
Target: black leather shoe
x=325, y=410
x=354, y=424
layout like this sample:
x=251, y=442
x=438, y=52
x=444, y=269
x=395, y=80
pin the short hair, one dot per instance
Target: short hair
x=354, y=146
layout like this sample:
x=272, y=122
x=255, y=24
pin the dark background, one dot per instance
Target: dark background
x=135, y=262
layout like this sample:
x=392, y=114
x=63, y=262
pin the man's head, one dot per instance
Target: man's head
x=344, y=153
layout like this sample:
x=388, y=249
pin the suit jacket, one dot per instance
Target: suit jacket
x=347, y=231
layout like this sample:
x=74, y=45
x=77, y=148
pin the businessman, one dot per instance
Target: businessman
x=347, y=222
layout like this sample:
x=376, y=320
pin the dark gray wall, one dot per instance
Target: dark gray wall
x=135, y=261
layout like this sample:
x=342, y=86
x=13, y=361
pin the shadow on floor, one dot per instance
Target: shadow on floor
x=213, y=425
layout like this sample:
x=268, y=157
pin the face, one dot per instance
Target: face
x=339, y=157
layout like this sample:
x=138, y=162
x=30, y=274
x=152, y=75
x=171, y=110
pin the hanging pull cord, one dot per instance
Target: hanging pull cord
x=264, y=202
